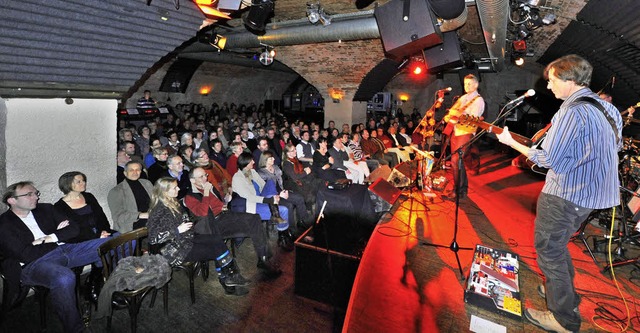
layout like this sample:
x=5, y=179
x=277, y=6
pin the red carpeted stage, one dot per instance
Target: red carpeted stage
x=405, y=286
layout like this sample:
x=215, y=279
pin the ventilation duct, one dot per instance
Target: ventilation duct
x=494, y=17
x=344, y=27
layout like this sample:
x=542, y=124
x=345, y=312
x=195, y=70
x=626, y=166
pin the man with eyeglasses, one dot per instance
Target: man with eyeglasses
x=175, y=169
x=32, y=237
x=206, y=203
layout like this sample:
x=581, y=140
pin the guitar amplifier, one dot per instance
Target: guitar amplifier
x=493, y=282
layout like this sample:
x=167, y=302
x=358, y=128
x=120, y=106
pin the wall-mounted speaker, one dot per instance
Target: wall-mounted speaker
x=444, y=56
x=406, y=27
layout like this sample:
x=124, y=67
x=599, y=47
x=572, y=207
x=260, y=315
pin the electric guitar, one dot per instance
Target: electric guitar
x=475, y=122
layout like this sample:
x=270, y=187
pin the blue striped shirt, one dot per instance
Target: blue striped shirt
x=580, y=151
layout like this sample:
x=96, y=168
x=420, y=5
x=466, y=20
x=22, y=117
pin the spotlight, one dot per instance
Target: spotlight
x=519, y=61
x=324, y=18
x=266, y=57
x=549, y=19
x=218, y=41
x=312, y=12
x=259, y=13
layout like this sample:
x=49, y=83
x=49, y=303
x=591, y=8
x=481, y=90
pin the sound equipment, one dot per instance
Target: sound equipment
x=382, y=171
x=406, y=27
x=444, y=56
x=493, y=282
x=313, y=274
x=385, y=190
x=398, y=179
x=409, y=169
x=259, y=13
x=229, y=5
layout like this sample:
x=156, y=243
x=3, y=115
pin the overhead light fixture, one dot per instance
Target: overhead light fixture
x=315, y=14
x=549, y=19
x=266, y=57
x=519, y=61
x=210, y=10
x=519, y=46
x=218, y=41
x=259, y=14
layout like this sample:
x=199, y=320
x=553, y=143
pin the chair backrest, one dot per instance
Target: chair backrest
x=113, y=250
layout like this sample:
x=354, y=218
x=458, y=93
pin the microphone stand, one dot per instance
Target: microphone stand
x=454, y=247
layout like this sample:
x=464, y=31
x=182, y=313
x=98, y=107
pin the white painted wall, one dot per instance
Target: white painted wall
x=45, y=138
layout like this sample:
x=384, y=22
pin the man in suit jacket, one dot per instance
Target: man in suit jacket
x=129, y=200
x=33, y=235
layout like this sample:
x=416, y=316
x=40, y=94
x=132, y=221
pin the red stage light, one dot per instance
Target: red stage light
x=418, y=69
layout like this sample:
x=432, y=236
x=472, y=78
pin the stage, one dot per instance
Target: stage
x=403, y=285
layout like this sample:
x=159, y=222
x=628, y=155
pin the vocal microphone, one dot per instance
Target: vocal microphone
x=529, y=93
x=445, y=89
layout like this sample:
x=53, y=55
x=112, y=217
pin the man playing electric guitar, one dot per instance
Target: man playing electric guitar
x=472, y=104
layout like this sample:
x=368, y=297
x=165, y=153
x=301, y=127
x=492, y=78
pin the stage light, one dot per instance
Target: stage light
x=312, y=12
x=259, y=14
x=218, y=41
x=417, y=69
x=404, y=97
x=519, y=61
x=208, y=9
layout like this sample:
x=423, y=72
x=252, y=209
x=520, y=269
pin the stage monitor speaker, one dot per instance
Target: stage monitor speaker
x=444, y=56
x=409, y=169
x=385, y=190
x=402, y=38
x=382, y=171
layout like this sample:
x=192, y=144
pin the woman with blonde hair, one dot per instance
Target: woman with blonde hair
x=170, y=229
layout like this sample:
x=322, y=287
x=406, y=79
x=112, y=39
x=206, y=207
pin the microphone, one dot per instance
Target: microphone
x=445, y=89
x=518, y=100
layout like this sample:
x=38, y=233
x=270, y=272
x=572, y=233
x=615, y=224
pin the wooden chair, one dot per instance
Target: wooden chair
x=190, y=268
x=112, y=251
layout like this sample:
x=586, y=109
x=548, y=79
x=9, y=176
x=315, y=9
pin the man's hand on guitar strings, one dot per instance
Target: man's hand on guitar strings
x=505, y=137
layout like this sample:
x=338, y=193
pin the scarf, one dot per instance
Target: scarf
x=297, y=166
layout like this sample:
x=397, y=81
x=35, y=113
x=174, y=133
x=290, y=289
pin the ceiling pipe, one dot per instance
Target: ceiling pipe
x=494, y=17
x=343, y=27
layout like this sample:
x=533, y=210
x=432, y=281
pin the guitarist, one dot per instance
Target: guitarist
x=581, y=153
x=472, y=104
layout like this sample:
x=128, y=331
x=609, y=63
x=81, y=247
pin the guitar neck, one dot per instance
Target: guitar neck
x=498, y=130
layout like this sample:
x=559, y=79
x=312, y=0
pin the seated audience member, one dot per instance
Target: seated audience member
x=263, y=146
x=260, y=198
x=175, y=169
x=217, y=154
x=174, y=143
x=83, y=209
x=129, y=147
x=359, y=155
x=186, y=152
x=206, y=203
x=352, y=163
x=250, y=143
x=304, y=149
x=199, y=141
x=391, y=146
x=232, y=161
x=34, y=241
x=274, y=141
x=297, y=177
x=129, y=200
x=178, y=243
x=295, y=201
x=148, y=158
x=121, y=159
x=341, y=162
x=218, y=176
x=323, y=162
x=159, y=168
x=143, y=141
x=375, y=149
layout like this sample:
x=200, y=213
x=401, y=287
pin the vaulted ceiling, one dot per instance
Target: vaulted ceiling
x=105, y=49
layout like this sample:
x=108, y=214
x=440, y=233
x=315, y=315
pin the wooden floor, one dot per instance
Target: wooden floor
x=401, y=285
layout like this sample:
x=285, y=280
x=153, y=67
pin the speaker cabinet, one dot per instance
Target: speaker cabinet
x=385, y=190
x=444, y=56
x=402, y=38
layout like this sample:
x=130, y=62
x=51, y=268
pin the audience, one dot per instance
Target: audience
x=129, y=200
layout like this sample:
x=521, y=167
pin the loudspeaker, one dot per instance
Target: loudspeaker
x=385, y=190
x=409, y=169
x=179, y=75
x=381, y=172
x=444, y=56
x=402, y=38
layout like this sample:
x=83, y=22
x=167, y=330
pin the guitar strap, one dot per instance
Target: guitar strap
x=592, y=101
